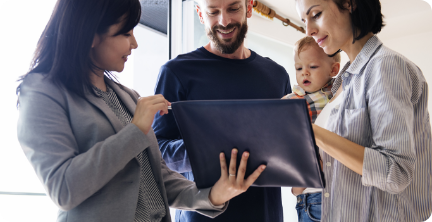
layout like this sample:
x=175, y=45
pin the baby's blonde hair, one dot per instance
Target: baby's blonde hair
x=309, y=41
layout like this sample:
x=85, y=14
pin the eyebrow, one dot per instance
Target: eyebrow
x=236, y=2
x=307, y=13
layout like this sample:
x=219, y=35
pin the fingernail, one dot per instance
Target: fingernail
x=263, y=167
x=234, y=151
x=246, y=154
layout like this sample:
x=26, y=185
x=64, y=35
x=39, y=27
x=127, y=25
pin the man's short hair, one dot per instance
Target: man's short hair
x=301, y=44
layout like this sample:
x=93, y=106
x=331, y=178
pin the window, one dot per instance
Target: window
x=20, y=189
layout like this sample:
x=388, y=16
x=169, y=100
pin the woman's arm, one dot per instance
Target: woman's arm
x=348, y=153
x=69, y=175
x=71, y=169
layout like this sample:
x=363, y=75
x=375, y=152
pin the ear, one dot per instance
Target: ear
x=249, y=8
x=349, y=7
x=199, y=12
x=335, y=69
x=96, y=40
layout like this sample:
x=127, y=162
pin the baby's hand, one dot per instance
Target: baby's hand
x=284, y=97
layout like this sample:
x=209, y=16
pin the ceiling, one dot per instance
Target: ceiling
x=402, y=18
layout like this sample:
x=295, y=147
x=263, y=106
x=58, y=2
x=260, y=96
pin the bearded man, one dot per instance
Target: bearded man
x=222, y=69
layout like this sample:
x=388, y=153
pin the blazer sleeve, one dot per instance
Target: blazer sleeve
x=183, y=194
x=167, y=133
x=69, y=175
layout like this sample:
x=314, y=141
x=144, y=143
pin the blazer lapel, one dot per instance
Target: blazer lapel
x=100, y=103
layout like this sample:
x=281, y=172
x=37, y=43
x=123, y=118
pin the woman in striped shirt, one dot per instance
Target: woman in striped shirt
x=377, y=141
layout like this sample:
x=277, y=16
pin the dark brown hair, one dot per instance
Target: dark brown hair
x=366, y=16
x=63, y=50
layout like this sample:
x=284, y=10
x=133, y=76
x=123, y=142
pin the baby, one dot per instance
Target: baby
x=314, y=73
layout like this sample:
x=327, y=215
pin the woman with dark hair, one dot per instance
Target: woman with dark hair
x=89, y=138
x=377, y=141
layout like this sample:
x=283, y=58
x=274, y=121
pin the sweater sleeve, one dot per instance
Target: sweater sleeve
x=184, y=195
x=167, y=133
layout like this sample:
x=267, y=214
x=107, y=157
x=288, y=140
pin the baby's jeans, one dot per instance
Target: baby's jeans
x=309, y=207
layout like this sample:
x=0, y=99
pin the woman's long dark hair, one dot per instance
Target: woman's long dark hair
x=63, y=50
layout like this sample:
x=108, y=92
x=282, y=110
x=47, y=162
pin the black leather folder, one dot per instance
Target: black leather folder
x=276, y=132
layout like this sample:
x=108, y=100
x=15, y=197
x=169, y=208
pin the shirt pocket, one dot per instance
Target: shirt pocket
x=334, y=120
x=356, y=126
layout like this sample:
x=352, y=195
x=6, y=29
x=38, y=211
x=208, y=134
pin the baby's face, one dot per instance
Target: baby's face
x=313, y=68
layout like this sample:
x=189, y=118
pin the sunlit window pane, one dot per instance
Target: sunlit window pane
x=27, y=208
x=22, y=23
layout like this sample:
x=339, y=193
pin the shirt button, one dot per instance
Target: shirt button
x=346, y=74
x=328, y=164
x=326, y=194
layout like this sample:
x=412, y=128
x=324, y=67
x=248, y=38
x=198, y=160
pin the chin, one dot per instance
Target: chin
x=330, y=50
x=311, y=90
x=226, y=41
x=120, y=69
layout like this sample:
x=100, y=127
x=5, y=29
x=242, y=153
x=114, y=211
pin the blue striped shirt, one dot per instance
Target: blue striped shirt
x=384, y=109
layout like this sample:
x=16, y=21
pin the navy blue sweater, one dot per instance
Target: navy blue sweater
x=201, y=75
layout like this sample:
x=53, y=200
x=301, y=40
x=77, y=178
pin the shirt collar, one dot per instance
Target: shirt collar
x=363, y=57
x=368, y=50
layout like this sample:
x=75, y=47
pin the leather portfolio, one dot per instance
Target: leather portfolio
x=277, y=133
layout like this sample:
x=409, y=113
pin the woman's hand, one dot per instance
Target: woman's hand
x=297, y=190
x=146, y=109
x=231, y=184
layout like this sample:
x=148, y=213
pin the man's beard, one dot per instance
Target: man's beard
x=222, y=45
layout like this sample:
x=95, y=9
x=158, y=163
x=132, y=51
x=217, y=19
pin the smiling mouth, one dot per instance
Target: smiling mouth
x=226, y=32
x=320, y=41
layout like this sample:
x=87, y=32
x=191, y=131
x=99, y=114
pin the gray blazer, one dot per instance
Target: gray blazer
x=85, y=158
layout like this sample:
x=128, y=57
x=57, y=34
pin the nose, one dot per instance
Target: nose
x=305, y=72
x=224, y=19
x=311, y=29
x=134, y=43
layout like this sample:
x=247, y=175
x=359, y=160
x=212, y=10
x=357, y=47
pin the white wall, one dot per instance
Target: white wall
x=151, y=54
x=142, y=68
x=273, y=29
